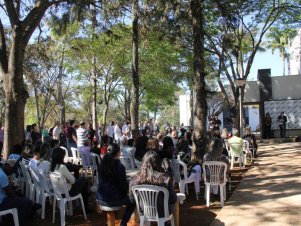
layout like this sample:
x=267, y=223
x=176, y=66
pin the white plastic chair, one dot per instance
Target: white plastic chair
x=146, y=197
x=29, y=185
x=95, y=161
x=183, y=184
x=246, y=150
x=14, y=212
x=75, y=155
x=59, y=184
x=215, y=175
x=127, y=161
x=42, y=188
x=234, y=154
x=67, y=158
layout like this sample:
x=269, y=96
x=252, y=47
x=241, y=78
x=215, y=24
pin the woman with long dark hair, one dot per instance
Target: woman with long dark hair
x=113, y=186
x=75, y=185
x=151, y=173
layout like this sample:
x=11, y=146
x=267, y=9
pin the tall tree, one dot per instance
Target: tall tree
x=134, y=110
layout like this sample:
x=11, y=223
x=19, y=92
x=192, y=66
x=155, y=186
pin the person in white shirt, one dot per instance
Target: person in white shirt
x=117, y=132
x=75, y=186
x=110, y=131
x=82, y=134
x=126, y=129
x=56, y=131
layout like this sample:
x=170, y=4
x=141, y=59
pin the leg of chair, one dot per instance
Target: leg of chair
x=15, y=216
x=111, y=218
x=186, y=186
x=141, y=220
x=208, y=195
x=225, y=194
x=229, y=181
x=232, y=161
x=70, y=208
x=43, y=200
x=62, y=211
x=172, y=221
x=83, y=207
x=221, y=195
x=182, y=186
x=161, y=222
x=53, y=214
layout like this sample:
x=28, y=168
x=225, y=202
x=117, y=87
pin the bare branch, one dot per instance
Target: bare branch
x=11, y=11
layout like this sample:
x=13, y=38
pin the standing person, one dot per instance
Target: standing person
x=110, y=132
x=1, y=136
x=282, y=119
x=35, y=134
x=81, y=134
x=100, y=128
x=71, y=135
x=267, y=125
x=91, y=132
x=117, y=132
x=56, y=131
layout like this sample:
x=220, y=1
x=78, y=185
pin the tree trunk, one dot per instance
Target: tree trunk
x=134, y=110
x=105, y=114
x=15, y=94
x=200, y=110
x=36, y=95
x=94, y=74
x=283, y=62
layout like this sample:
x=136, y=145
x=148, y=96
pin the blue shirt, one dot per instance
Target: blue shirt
x=3, y=184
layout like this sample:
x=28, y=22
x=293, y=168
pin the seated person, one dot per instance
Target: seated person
x=252, y=140
x=44, y=164
x=151, y=173
x=53, y=144
x=113, y=186
x=86, y=148
x=9, y=200
x=215, y=153
x=236, y=143
x=36, y=157
x=105, y=140
x=75, y=185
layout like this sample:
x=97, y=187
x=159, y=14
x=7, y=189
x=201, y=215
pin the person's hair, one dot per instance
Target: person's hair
x=123, y=140
x=37, y=147
x=82, y=123
x=33, y=125
x=44, y=151
x=215, y=149
x=71, y=123
x=17, y=149
x=235, y=132
x=131, y=142
x=160, y=136
x=167, y=143
x=53, y=142
x=152, y=144
x=57, y=158
x=151, y=171
x=106, y=168
x=224, y=134
x=267, y=114
x=182, y=145
x=105, y=139
x=28, y=128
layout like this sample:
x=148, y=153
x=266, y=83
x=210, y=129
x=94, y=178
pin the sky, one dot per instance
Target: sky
x=266, y=60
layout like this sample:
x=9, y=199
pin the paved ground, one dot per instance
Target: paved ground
x=269, y=193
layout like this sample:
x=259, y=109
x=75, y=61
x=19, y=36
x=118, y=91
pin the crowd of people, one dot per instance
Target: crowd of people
x=152, y=152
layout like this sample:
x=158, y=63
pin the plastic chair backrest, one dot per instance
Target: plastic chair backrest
x=175, y=170
x=236, y=149
x=246, y=146
x=26, y=173
x=75, y=155
x=59, y=185
x=127, y=161
x=184, y=169
x=146, y=197
x=95, y=160
x=34, y=175
x=66, y=153
x=214, y=172
x=45, y=182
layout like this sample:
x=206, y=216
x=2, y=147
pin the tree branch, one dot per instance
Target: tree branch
x=3, y=54
x=11, y=11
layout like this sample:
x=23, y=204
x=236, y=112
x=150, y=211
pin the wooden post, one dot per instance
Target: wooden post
x=177, y=214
